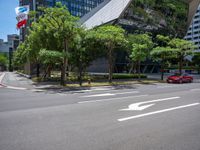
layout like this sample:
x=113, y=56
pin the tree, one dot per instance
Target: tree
x=85, y=50
x=53, y=33
x=20, y=55
x=196, y=60
x=3, y=60
x=141, y=45
x=110, y=37
x=63, y=28
x=162, y=54
x=50, y=58
x=183, y=48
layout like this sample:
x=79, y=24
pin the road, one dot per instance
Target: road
x=135, y=117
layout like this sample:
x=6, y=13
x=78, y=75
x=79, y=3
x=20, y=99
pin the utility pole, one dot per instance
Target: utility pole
x=34, y=8
x=10, y=59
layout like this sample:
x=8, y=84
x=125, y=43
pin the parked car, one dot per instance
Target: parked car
x=177, y=78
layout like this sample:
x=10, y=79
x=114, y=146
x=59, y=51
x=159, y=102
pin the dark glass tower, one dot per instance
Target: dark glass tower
x=75, y=7
x=80, y=7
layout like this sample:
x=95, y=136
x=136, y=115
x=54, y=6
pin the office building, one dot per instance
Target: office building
x=13, y=41
x=80, y=7
x=76, y=7
x=193, y=33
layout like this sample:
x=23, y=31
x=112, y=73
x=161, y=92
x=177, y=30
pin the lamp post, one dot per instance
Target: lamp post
x=10, y=59
x=34, y=8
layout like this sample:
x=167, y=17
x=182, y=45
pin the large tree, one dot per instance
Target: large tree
x=183, y=49
x=85, y=50
x=162, y=55
x=110, y=37
x=162, y=52
x=3, y=60
x=196, y=60
x=53, y=33
x=141, y=44
x=63, y=26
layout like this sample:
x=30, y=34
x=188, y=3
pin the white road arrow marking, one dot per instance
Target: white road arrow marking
x=136, y=106
x=158, y=112
x=111, y=94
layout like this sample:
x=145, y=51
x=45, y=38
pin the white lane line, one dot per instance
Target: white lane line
x=167, y=86
x=195, y=90
x=126, y=93
x=110, y=99
x=136, y=106
x=157, y=112
x=99, y=95
x=109, y=94
x=16, y=88
x=96, y=89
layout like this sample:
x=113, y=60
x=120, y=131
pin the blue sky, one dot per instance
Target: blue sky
x=8, y=18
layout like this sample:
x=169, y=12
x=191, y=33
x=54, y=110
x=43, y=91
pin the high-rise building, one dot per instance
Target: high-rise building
x=80, y=7
x=76, y=7
x=13, y=41
x=193, y=33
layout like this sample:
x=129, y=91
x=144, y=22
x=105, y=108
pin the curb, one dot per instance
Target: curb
x=1, y=78
x=24, y=75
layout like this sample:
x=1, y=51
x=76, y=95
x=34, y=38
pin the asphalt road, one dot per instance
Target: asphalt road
x=161, y=117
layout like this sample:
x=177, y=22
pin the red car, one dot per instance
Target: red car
x=176, y=78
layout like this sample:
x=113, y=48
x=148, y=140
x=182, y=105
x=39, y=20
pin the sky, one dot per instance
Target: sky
x=8, y=18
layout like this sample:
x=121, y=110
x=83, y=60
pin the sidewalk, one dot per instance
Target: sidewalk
x=14, y=80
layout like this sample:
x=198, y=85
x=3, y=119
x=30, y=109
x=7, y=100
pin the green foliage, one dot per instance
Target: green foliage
x=162, y=40
x=172, y=12
x=162, y=53
x=141, y=45
x=183, y=47
x=196, y=58
x=128, y=76
x=20, y=55
x=3, y=60
x=51, y=36
x=110, y=37
x=50, y=56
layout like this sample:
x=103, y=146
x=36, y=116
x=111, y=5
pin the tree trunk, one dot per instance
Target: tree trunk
x=38, y=70
x=139, y=64
x=162, y=70
x=110, y=61
x=49, y=71
x=80, y=73
x=162, y=73
x=131, y=69
x=180, y=65
x=64, y=65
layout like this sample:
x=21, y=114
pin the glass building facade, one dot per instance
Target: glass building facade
x=80, y=7
x=193, y=33
x=76, y=7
